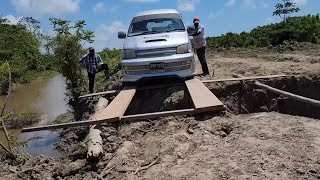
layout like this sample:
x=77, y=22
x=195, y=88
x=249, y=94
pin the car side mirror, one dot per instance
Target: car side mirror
x=190, y=30
x=122, y=35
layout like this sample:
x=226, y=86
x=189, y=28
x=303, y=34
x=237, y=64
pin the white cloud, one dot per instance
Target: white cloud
x=230, y=3
x=301, y=2
x=264, y=4
x=12, y=19
x=187, y=5
x=44, y=7
x=254, y=4
x=100, y=7
x=106, y=35
x=214, y=15
x=249, y=4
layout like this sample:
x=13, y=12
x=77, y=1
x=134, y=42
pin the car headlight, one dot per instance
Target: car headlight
x=184, y=48
x=129, y=54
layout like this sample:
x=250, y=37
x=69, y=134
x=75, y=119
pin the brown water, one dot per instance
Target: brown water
x=42, y=96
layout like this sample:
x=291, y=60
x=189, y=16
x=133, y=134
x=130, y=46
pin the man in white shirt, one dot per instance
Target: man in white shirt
x=200, y=44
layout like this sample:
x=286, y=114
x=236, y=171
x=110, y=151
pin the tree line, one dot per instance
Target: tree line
x=299, y=29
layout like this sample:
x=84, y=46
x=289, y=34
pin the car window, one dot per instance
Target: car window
x=157, y=25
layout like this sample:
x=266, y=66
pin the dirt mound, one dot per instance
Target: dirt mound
x=255, y=139
x=263, y=145
x=294, y=46
x=115, y=81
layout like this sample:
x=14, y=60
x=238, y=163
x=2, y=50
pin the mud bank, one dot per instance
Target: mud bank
x=258, y=138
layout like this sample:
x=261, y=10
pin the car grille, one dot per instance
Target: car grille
x=168, y=67
x=149, y=53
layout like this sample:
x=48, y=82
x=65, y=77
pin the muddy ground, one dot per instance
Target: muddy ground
x=261, y=136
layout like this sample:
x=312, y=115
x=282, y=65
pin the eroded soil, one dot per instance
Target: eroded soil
x=255, y=139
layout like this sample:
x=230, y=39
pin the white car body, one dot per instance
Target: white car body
x=163, y=48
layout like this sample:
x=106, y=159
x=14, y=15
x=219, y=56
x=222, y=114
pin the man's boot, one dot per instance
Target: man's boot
x=107, y=74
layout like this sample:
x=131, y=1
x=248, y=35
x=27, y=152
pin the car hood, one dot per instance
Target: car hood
x=150, y=41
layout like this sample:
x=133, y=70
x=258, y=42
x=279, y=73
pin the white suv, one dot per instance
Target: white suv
x=157, y=44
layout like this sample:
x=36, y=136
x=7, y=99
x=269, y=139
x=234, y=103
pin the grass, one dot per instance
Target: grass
x=42, y=75
x=63, y=118
x=18, y=121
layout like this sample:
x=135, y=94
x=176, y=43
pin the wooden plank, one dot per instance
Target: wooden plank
x=284, y=93
x=112, y=92
x=203, y=99
x=158, y=115
x=66, y=125
x=117, y=107
x=289, y=95
x=244, y=78
x=124, y=118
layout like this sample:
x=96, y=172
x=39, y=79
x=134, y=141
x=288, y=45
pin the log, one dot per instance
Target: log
x=156, y=115
x=94, y=140
x=244, y=78
x=112, y=92
x=135, y=117
x=102, y=103
x=289, y=95
x=284, y=93
x=95, y=149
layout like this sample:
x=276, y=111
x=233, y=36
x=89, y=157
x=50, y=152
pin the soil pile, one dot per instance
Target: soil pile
x=262, y=145
x=256, y=139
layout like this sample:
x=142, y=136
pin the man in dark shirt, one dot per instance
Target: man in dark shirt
x=93, y=63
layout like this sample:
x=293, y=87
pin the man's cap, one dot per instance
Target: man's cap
x=196, y=20
x=91, y=49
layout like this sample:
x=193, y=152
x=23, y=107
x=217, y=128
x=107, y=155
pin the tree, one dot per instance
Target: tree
x=32, y=25
x=20, y=47
x=284, y=8
x=3, y=20
x=67, y=50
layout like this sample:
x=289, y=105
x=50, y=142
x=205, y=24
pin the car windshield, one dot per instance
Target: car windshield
x=151, y=25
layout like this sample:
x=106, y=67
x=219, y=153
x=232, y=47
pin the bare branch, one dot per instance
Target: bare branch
x=7, y=150
x=4, y=107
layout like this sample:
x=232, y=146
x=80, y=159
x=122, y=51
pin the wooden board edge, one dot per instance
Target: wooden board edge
x=211, y=109
x=124, y=119
x=244, y=78
x=100, y=115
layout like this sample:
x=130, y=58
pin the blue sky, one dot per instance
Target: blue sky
x=107, y=17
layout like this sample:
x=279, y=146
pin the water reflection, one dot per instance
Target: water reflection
x=46, y=97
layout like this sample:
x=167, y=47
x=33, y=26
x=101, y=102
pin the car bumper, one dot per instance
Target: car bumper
x=181, y=65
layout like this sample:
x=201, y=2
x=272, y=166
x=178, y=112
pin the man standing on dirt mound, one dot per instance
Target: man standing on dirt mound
x=199, y=40
x=93, y=64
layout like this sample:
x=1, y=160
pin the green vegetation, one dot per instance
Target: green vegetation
x=284, y=8
x=63, y=118
x=67, y=49
x=20, y=45
x=299, y=29
x=112, y=58
x=18, y=121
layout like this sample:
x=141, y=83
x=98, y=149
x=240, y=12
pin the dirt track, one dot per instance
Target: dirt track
x=268, y=63
x=262, y=145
